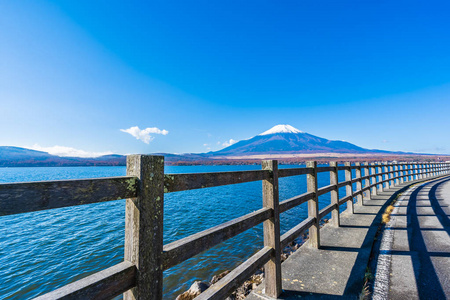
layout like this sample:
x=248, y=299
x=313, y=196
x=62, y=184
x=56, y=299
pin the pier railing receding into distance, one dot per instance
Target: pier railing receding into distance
x=140, y=275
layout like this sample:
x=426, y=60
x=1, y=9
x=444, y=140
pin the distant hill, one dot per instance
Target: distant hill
x=22, y=157
x=287, y=139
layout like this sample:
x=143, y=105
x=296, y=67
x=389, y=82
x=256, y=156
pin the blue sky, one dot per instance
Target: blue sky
x=83, y=74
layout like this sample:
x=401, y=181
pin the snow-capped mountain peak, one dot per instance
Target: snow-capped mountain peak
x=281, y=129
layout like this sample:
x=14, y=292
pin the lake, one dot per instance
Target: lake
x=44, y=250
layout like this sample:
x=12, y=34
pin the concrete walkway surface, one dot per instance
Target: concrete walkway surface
x=417, y=252
x=337, y=269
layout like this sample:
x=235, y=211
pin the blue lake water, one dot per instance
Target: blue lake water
x=44, y=250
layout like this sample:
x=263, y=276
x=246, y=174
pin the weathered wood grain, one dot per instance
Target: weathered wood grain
x=105, y=284
x=366, y=179
x=178, y=251
x=313, y=206
x=183, y=182
x=295, y=201
x=324, y=169
x=373, y=179
x=296, y=231
x=293, y=172
x=344, y=167
x=349, y=188
x=344, y=183
x=326, y=189
x=344, y=199
x=272, y=269
x=358, y=192
x=26, y=197
x=334, y=195
x=326, y=210
x=227, y=285
x=144, y=226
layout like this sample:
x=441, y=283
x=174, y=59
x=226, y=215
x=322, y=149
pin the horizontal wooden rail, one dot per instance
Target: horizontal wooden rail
x=324, y=169
x=295, y=201
x=295, y=232
x=105, y=284
x=355, y=193
x=343, y=183
x=344, y=199
x=16, y=198
x=293, y=172
x=326, y=210
x=227, y=285
x=183, y=249
x=326, y=189
x=191, y=181
x=341, y=168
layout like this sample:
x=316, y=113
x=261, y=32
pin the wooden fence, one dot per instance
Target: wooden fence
x=140, y=275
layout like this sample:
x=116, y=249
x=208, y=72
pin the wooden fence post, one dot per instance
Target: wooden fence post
x=396, y=181
x=391, y=176
x=313, y=205
x=380, y=178
x=144, y=226
x=406, y=172
x=272, y=268
x=334, y=194
x=349, y=187
x=373, y=179
x=367, y=180
x=359, y=197
x=401, y=173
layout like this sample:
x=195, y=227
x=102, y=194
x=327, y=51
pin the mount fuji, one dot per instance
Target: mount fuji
x=287, y=139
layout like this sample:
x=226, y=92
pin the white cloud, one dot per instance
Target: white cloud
x=229, y=143
x=68, y=151
x=144, y=134
x=205, y=145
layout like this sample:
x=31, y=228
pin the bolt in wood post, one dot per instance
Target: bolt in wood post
x=373, y=179
x=380, y=178
x=313, y=205
x=359, y=197
x=144, y=226
x=272, y=268
x=349, y=187
x=334, y=194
